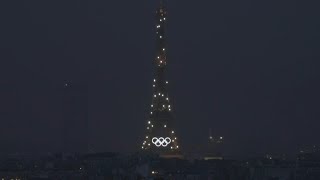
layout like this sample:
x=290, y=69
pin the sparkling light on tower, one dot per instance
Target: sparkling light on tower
x=160, y=136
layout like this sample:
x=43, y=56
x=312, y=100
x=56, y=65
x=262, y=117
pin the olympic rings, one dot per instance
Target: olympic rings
x=164, y=142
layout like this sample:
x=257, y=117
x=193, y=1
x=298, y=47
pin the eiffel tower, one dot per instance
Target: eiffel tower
x=160, y=135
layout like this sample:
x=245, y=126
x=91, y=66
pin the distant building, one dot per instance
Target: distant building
x=214, y=148
x=75, y=117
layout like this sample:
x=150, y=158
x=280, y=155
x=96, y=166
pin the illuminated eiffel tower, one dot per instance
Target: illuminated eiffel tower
x=160, y=135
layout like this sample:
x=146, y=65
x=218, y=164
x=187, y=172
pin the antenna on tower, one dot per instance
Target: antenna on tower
x=162, y=3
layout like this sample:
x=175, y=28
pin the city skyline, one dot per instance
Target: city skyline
x=248, y=70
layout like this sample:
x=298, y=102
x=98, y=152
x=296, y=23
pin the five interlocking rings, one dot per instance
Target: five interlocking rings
x=164, y=142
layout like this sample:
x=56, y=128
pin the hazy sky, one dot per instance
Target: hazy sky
x=247, y=69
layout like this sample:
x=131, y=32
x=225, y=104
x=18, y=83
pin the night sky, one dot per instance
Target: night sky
x=247, y=69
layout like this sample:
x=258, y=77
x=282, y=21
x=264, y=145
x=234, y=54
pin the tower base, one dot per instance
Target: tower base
x=172, y=156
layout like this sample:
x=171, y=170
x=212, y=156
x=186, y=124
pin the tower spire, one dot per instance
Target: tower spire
x=160, y=135
x=162, y=3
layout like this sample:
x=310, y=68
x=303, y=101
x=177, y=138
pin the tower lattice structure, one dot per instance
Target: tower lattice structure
x=160, y=121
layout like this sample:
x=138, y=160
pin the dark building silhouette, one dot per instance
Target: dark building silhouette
x=214, y=150
x=75, y=117
x=160, y=134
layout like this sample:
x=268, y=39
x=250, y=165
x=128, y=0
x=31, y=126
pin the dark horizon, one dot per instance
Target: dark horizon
x=248, y=70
